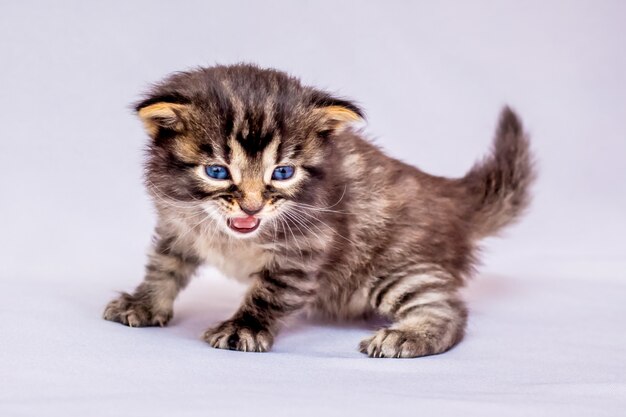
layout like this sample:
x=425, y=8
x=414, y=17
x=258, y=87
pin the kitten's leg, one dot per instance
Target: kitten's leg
x=168, y=271
x=428, y=315
x=273, y=296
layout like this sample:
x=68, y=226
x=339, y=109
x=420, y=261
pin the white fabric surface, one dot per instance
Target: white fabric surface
x=547, y=331
x=536, y=345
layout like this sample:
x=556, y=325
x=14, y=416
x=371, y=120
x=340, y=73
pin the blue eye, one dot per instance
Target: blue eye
x=282, y=173
x=218, y=172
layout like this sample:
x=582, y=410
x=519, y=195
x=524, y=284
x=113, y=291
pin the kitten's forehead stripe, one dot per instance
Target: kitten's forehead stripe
x=228, y=120
x=227, y=152
x=207, y=149
x=238, y=160
x=270, y=154
x=255, y=134
x=279, y=154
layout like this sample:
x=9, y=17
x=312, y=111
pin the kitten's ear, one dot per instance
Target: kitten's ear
x=336, y=114
x=157, y=115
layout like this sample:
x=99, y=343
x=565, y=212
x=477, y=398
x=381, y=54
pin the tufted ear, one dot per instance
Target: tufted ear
x=162, y=115
x=340, y=114
x=335, y=114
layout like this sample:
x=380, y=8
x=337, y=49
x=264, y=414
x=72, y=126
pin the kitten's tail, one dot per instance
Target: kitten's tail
x=498, y=186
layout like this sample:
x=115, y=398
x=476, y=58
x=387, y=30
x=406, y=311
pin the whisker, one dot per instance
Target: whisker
x=202, y=220
x=332, y=205
x=294, y=239
x=313, y=208
x=176, y=204
x=298, y=219
x=334, y=231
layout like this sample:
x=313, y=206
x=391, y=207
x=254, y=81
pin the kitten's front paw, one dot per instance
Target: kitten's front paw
x=393, y=343
x=234, y=336
x=135, y=312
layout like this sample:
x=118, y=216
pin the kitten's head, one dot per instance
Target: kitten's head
x=244, y=144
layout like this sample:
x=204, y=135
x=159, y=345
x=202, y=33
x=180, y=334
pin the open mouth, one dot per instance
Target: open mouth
x=244, y=224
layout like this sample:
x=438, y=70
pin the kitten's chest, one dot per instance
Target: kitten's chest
x=234, y=259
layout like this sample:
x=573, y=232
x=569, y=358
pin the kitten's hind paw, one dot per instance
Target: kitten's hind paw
x=134, y=311
x=234, y=336
x=392, y=343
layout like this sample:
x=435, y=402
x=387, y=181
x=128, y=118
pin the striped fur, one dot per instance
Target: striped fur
x=424, y=305
x=351, y=234
x=168, y=271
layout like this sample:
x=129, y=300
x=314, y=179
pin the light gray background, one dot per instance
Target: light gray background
x=547, y=335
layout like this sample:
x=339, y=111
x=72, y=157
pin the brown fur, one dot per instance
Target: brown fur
x=352, y=233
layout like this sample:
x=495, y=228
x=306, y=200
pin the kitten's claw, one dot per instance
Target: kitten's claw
x=133, y=321
x=393, y=343
x=135, y=312
x=230, y=335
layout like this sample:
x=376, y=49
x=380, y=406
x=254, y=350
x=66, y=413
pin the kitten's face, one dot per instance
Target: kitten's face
x=249, y=147
x=244, y=192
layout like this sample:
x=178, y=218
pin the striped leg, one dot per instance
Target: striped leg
x=428, y=316
x=167, y=272
x=274, y=296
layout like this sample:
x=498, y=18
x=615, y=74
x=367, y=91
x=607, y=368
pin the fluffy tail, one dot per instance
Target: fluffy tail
x=498, y=186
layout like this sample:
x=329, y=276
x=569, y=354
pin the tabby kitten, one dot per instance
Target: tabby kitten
x=269, y=181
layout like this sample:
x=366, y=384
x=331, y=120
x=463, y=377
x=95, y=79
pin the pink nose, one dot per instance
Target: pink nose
x=251, y=210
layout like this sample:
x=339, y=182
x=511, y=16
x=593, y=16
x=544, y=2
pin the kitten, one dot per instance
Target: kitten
x=268, y=180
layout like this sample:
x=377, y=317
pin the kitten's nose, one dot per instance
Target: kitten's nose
x=251, y=210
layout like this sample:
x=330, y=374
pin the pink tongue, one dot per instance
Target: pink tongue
x=245, y=222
